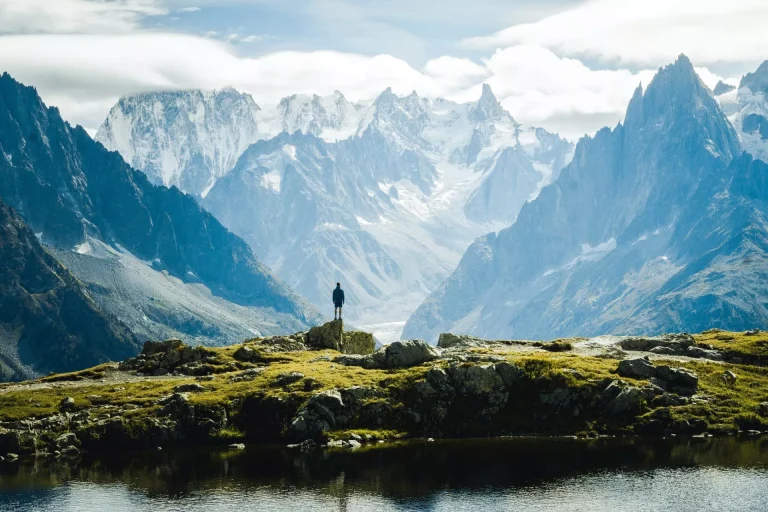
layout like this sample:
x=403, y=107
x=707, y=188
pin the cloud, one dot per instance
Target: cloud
x=85, y=74
x=646, y=32
x=189, y=9
x=75, y=16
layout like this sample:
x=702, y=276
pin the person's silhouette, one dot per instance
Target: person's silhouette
x=338, y=300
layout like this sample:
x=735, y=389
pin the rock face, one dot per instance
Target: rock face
x=143, y=250
x=187, y=139
x=650, y=220
x=331, y=335
x=48, y=320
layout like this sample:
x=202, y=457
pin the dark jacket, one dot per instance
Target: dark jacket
x=338, y=296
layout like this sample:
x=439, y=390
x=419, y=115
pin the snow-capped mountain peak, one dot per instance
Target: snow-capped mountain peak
x=488, y=108
x=184, y=138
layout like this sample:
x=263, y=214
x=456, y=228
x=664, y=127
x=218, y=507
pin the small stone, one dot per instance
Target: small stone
x=352, y=444
x=430, y=439
x=159, y=448
x=237, y=446
x=192, y=387
x=729, y=378
x=286, y=379
x=67, y=403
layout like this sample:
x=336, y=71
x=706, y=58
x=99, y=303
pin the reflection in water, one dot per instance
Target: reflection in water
x=503, y=474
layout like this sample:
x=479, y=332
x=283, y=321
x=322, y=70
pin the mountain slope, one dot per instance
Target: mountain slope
x=47, y=321
x=647, y=230
x=82, y=198
x=382, y=196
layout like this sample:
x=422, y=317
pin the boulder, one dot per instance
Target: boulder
x=317, y=417
x=640, y=368
x=448, y=340
x=675, y=343
x=357, y=342
x=191, y=387
x=404, y=354
x=245, y=354
x=328, y=335
x=67, y=403
x=703, y=353
x=65, y=441
x=678, y=380
x=288, y=378
x=762, y=409
x=399, y=354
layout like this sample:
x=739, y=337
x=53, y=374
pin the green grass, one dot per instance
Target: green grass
x=730, y=408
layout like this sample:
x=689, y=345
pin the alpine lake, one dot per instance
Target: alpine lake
x=530, y=474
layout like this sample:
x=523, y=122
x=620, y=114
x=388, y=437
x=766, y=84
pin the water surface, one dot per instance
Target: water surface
x=529, y=474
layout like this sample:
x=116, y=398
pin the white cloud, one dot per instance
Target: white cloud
x=189, y=9
x=647, y=32
x=84, y=74
x=75, y=16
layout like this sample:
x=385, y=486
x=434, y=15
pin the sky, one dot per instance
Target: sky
x=569, y=66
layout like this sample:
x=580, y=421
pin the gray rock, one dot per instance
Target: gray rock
x=237, y=446
x=640, y=368
x=752, y=332
x=157, y=347
x=680, y=380
x=65, y=441
x=399, y=354
x=702, y=353
x=405, y=354
x=67, y=403
x=328, y=335
x=320, y=415
x=286, y=379
x=192, y=387
x=245, y=354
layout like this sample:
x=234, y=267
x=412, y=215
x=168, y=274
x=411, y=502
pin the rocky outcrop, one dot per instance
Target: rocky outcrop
x=331, y=335
x=399, y=354
x=173, y=356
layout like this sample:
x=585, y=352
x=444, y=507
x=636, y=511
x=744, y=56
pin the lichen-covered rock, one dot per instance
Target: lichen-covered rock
x=357, y=342
x=328, y=335
x=448, y=340
x=157, y=347
x=640, y=368
x=288, y=378
x=245, y=354
x=190, y=387
x=678, y=380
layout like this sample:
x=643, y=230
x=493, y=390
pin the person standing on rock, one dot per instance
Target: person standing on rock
x=338, y=300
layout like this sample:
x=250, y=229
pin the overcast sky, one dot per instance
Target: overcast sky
x=567, y=65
